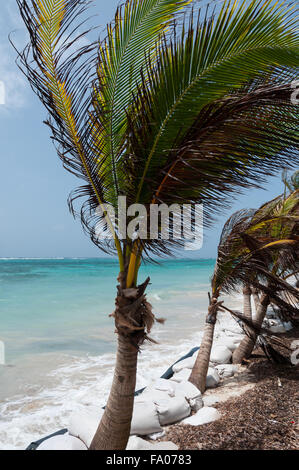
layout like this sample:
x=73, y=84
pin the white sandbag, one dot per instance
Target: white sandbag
x=213, y=378
x=83, y=424
x=136, y=443
x=237, y=338
x=234, y=328
x=152, y=395
x=183, y=375
x=187, y=363
x=62, y=442
x=160, y=386
x=205, y=415
x=165, y=386
x=226, y=370
x=220, y=355
x=229, y=342
x=173, y=410
x=145, y=419
x=191, y=393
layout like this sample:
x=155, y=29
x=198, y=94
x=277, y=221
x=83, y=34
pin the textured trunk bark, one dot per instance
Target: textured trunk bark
x=247, y=344
x=114, y=429
x=198, y=375
x=256, y=299
x=133, y=320
x=247, y=311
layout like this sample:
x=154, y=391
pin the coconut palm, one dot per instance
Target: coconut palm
x=168, y=108
x=284, y=262
x=261, y=261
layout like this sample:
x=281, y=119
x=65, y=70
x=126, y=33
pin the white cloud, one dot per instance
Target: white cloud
x=14, y=83
x=15, y=86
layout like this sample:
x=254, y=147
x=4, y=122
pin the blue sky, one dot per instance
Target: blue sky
x=34, y=217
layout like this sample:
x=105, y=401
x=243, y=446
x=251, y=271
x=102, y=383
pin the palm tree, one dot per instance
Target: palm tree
x=284, y=263
x=166, y=109
x=231, y=251
x=243, y=259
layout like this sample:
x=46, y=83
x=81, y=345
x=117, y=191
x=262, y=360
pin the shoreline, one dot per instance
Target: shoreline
x=54, y=385
x=50, y=409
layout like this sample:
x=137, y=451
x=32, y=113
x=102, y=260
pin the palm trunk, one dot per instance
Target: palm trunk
x=247, y=344
x=256, y=299
x=133, y=319
x=247, y=310
x=199, y=372
x=114, y=429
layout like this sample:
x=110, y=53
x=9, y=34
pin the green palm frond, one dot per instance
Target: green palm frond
x=253, y=249
x=277, y=218
x=211, y=86
x=137, y=27
x=61, y=77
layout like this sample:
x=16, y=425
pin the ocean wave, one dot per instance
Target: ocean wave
x=78, y=383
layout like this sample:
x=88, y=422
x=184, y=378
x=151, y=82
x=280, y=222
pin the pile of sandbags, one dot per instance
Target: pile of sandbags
x=162, y=403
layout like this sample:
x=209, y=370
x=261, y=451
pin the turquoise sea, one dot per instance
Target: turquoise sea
x=63, y=305
x=60, y=342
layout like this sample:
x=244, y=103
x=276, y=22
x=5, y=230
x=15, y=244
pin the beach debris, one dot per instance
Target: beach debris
x=64, y=442
x=213, y=378
x=205, y=415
